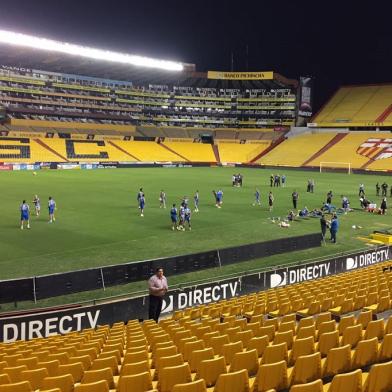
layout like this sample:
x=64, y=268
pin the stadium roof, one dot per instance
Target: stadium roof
x=22, y=51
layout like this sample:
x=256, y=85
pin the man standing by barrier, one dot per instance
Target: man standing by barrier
x=323, y=224
x=157, y=286
x=334, y=228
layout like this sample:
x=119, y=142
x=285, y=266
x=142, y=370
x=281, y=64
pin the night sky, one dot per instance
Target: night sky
x=346, y=42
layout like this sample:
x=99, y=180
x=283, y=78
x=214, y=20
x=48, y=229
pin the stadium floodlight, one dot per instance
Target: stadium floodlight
x=12, y=38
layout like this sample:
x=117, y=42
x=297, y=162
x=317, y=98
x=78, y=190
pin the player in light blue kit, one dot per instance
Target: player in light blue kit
x=142, y=202
x=37, y=205
x=173, y=217
x=196, y=201
x=51, y=208
x=257, y=198
x=188, y=217
x=24, y=214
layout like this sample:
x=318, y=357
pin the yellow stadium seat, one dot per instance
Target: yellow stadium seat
x=75, y=369
x=375, y=329
x=31, y=362
x=307, y=368
x=194, y=386
x=12, y=359
x=233, y=382
x=314, y=386
x=301, y=347
x=365, y=353
x=191, y=346
x=140, y=382
x=379, y=378
x=172, y=375
x=200, y=355
x=85, y=360
x=284, y=337
x=210, y=370
x=110, y=362
x=137, y=356
x=65, y=383
x=352, y=335
x=338, y=360
x=275, y=353
x=245, y=360
x=388, y=326
x=217, y=342
x=348, y=382
x=229, y=349
x=322, y=318
x=327, y=341
x=4, y=379
x=14, y=372
x=106, y=374
x=34, y=377
x=306, y=332
x=259, y=343
x=162, y=362
x=268, y=330
x=271, y=376
x=385, y=348
x=383, y=304
x=22, y=386
x=135, y=368
x=98, y=386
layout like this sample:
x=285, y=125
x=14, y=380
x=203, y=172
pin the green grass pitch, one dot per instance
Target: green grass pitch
x=98, y=222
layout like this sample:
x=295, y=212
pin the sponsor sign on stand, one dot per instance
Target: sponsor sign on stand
x=364, y=259
x=200, y=295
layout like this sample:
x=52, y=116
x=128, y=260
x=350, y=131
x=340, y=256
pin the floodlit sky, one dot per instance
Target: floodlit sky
x=345, y=42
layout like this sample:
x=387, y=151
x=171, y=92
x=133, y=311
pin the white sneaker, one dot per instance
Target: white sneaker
x=28, y=226
x=141, y=215
x=21, y=227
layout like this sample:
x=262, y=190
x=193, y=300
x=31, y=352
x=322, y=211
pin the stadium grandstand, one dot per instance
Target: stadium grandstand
x=296, y=324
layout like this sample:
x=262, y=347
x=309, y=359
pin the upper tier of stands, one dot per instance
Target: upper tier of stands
x=322, y=335
x=357, y=106
x=45, y=96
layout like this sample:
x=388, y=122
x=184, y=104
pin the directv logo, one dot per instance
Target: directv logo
x=167, y=304
x=366, y=259
x=278, y=280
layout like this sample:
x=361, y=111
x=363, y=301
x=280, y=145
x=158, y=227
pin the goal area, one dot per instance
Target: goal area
x=335, y=166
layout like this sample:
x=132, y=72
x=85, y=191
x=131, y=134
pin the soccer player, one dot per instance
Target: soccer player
x=181, y=222
x=294, y=197
x=51, y=208
x=142, y=202
x=219, y=197
x=283, y=180
x=162, y=199
x=257, y=197
x=139, y=195
x=378, y=189
x=37, y=205
x=187, y=212
x=185, y=201
x=334, y=228
x=24, y=214
x=361, y=191
x=271, y=201
x=173, y=217
x=196, y=201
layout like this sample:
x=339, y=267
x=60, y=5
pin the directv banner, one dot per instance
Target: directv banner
x=42, y=325
x=322, y=269
x=267, y=75
x=201, y=295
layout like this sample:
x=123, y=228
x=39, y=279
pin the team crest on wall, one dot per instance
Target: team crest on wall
x=376, y=148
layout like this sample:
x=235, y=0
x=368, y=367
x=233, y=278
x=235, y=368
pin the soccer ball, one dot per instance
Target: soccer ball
x=34, y=173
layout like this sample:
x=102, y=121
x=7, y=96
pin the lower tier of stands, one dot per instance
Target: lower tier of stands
x=328, y=334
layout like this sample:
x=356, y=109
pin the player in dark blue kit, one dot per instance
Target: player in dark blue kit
x=139, y=195
x=257, y=198
x=173, y=217
x=51, y=208
x=219, y=197
x=142, y=202
x=24, y=214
